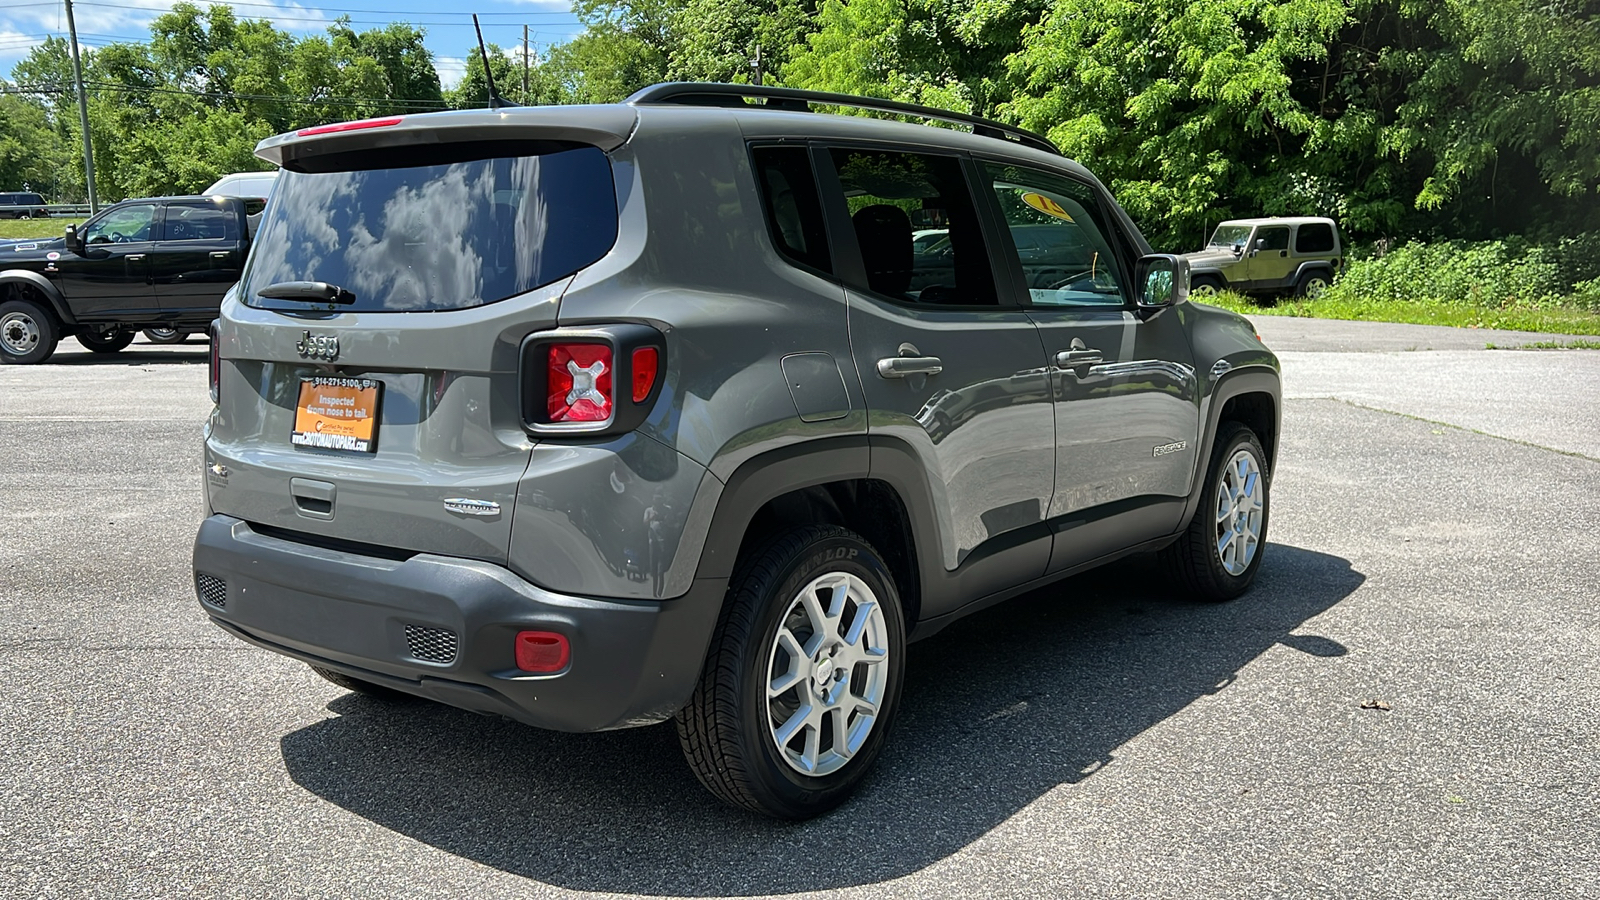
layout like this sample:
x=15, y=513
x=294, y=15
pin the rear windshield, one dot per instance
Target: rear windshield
x=435, y=237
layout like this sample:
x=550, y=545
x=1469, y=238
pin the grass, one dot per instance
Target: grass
x=1551, y=319
x=1579, y=344
x=35, y=228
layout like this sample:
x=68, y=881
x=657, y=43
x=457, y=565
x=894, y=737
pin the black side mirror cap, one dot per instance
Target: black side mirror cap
x=1162, y=280
x=71, y=236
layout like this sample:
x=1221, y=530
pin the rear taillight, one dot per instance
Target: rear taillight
x=215, y=360
x=646, y=362
x=579, y=382
x=595, y=381
x=542, y=652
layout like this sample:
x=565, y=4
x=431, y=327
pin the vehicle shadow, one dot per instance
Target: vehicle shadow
x=998, y=709
x=137, y=355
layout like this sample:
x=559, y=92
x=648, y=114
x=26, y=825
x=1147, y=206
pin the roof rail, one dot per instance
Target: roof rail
x=713, y=94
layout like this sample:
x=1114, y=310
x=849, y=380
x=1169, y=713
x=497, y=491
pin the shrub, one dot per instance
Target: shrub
x=1488, y=274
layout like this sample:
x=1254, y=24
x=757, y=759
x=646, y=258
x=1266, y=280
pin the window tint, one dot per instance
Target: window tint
x=893, y=199
x=792, y=206
x=1314, y=238
x=434, y=237
x=122, y=225
x=1273, y=238
x=199, y=222
x=1061, y=237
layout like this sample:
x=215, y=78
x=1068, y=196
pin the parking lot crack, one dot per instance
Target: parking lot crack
x=1488, y=434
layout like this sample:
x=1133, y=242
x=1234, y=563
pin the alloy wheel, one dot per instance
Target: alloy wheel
x=1240, y=511
x=827, y=673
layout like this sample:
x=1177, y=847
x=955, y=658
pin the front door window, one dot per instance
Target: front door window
x=123, y=225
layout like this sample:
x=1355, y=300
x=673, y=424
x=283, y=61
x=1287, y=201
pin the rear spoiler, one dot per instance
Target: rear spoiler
x=606, y=127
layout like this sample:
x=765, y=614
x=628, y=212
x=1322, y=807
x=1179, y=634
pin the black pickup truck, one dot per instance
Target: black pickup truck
x=161, y=264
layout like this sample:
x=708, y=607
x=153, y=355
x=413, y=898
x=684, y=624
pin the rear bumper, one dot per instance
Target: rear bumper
x=634, y=662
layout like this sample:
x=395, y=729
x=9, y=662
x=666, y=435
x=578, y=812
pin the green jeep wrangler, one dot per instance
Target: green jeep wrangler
x=1268, y=256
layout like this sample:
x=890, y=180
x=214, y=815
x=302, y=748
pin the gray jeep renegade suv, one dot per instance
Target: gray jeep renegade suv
x=593, y=417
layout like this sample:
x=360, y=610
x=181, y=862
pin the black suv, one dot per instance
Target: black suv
x=22, y=205
x=158, y=263
x=594, y=417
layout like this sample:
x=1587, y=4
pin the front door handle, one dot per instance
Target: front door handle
x=1068, y=359
x=134, y=257
x=220, y=254
x=901, y=366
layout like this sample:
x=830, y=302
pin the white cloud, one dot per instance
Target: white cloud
x=450, y=70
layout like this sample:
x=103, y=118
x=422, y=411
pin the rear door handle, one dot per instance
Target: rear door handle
x=901, y=366
x=220, y=254
x=1068, y=359
x=134, y=257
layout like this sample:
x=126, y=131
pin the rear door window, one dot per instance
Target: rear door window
x=199, y=222
x=891, y=197
x=436, y=237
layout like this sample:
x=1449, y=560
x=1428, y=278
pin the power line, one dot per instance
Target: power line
x=224, y=95
x=519, y=15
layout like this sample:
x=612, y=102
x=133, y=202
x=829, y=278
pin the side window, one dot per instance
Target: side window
x=1273, y=238
x=1316, y=237
x=199, y=222
x=1061, y=237
x=122, y=225
x=792, y=205
x=919, y=233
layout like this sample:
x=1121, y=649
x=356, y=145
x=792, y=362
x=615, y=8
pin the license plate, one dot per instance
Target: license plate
x=337, y=414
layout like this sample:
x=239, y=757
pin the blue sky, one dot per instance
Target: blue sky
x=24, y=23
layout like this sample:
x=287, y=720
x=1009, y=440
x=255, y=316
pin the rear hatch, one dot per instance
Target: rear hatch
x=368, y=390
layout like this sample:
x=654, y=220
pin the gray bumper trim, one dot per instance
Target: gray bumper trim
x=633, y=662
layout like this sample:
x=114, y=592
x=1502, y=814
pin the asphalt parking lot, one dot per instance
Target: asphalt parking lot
x=1435, y=544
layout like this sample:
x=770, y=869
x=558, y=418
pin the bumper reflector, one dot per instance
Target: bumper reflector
x=542, y=652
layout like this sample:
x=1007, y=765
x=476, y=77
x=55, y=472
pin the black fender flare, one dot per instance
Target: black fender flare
x=43, y=285
x=770, y=475
x=1315, y=265
x=1244, y=380
x=1208, y=273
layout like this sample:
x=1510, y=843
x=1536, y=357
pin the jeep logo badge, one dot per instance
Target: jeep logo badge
x=319, y=347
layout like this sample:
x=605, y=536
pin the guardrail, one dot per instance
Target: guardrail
x=68, y=210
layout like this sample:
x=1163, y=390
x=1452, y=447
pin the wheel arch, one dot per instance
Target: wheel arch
x=14, y=279
x=1250, y=395
x=842, y=481
x=1325, y=266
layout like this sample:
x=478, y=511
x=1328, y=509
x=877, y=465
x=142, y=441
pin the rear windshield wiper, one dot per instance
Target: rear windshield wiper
x=307, y=290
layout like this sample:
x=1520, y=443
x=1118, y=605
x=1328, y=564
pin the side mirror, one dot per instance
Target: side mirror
x=1162, y=279
x=74, y=243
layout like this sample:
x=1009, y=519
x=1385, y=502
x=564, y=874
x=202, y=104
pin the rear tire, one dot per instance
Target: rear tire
x=802, y=679
x=350, y=683
x=106, y=340
x=1217, y=556
x=165, y=335
x=1206, y=286
x=1311, y=285
x=28, y=333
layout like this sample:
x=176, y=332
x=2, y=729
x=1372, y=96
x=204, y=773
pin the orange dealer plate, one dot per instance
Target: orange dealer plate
x=337, y=414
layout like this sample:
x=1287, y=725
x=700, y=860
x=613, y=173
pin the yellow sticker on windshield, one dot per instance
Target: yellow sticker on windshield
x=1045, y=205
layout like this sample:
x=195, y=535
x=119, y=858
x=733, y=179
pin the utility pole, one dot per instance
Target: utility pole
x=83, y=113
x=524, y=64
